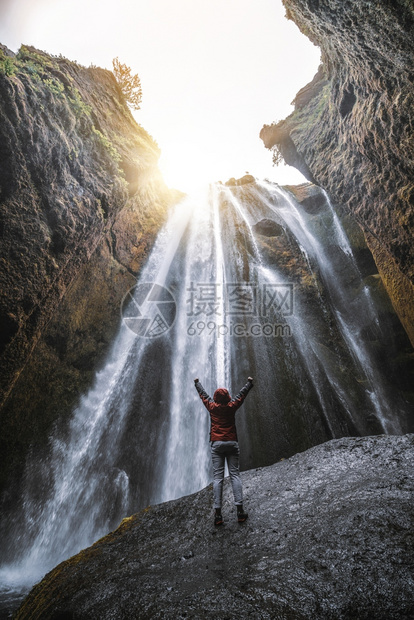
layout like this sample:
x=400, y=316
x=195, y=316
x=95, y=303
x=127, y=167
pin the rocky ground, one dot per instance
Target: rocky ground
x=330, y=535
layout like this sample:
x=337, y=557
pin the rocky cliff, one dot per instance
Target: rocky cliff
x=329, y=536
x=351, y=130
x=81, y=202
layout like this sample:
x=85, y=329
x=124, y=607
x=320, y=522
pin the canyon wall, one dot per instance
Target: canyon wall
x=352, y=126
x=81, y=202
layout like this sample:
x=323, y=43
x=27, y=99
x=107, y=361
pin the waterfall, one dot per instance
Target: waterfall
x=348, y=308
x=223, y=307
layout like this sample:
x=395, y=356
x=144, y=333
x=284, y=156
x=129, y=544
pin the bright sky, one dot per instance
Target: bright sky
x=212, y=72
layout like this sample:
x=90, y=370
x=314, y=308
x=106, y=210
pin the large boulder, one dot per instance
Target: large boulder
x=329, y=536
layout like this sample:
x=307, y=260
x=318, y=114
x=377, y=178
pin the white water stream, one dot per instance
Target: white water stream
x=140, y=435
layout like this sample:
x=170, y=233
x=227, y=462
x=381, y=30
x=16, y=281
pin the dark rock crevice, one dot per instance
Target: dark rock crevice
x=348, y=101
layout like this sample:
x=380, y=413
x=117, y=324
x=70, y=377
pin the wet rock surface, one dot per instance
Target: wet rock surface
x=268, y=228
x=246, y=179
x=351, y=129
x=310, y=196
x=330, y=535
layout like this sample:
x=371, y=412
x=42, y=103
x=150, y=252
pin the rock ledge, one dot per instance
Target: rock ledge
x=330, y=535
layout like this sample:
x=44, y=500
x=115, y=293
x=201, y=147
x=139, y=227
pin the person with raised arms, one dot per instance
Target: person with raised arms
x=224, y=444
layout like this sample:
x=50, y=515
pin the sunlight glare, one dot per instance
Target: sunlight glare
x=186, y=167
x=212, y=73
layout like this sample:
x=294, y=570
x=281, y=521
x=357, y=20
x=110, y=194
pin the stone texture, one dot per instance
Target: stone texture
x=351, y=131
x=268, y=228
x=329, y=536
x=248, y=178
x=309, y=196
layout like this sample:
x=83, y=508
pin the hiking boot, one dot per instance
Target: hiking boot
x=218, y=520
x=241, y=516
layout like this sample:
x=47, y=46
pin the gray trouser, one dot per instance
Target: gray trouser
x=220, y=451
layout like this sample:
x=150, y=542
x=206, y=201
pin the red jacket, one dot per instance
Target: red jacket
x=222, y=409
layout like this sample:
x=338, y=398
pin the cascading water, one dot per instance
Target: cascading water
x=348, y=309
x=140, y=435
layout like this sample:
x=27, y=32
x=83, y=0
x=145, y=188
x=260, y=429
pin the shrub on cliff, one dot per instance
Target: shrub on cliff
x=7, y=66
x=130, y=84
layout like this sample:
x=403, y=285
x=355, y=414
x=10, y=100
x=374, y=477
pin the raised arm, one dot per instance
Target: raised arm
x=237, y=400
x=203, y=394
